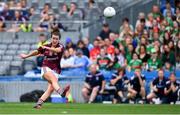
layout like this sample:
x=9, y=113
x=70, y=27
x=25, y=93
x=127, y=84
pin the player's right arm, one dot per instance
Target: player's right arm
x=33, y=53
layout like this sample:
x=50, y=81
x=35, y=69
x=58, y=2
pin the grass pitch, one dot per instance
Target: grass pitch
x=51, y=108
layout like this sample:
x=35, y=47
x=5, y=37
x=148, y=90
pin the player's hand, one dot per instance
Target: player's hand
x=23, y=56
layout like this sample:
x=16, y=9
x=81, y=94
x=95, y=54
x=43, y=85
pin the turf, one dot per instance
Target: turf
x=49, y=108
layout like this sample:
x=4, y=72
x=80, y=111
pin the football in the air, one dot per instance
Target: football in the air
x=109, y=12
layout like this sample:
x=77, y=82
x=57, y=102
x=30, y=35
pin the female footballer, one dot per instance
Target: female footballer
x=51, y=66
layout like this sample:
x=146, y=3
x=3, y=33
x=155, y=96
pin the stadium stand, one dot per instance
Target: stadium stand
x=73, y=17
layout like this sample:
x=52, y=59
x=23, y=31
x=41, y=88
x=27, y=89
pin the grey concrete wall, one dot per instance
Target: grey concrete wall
x=11, y=91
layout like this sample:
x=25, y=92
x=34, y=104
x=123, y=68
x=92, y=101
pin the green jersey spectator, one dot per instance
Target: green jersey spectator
x=135, y=63
x=103, y=60
x=154, y=62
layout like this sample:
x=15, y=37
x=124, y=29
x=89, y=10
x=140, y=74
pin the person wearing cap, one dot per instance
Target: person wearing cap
x=154, y=62
x=69, y=43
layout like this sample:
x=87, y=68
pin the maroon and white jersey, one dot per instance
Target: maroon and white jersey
x=52, y=59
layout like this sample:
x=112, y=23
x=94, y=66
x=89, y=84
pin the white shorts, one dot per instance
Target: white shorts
x=46, y=69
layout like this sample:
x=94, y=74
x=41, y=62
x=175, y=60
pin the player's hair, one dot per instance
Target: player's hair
x=55, y=31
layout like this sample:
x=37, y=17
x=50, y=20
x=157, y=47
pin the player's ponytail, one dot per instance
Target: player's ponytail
x=55, y=31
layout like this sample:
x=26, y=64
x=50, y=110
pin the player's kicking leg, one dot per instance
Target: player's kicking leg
x=53, y=81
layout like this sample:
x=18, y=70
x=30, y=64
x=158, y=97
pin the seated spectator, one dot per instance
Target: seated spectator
x=95, y=51
x=168, y=7
x=143, y=56
x=120, y=81
x=67, y=61
x=72, y=52
x=64, y=8
x=12, y=5
x=23, y=3
x=91, y=4
x=14, y=27
x=55, y=24
x=18, y=17
x=26, y=27
x=87, y=44
x=69, y=44
x=178, y=14
x=81, y=62
x=118, y=59
x=169, y=56
x=171, y=89
x=140, y=16
x=109, y=47
x=157, y=88
x=166, y=37
x=44, y=24
x=168, y=67
x=105, y=31
x=6, y=13
x=18, y=6
x=2, y=5
x=149, y=21
x=135, y=63
x=112, y=38
x=178, y=52
x=42, y=42
x=31, y=13
x=129, y=53
x=139, y=30
x=154, y=62
x=126, y=28
x=136, y=87
x=81, y=45
x=156, y=13
x=94, y=84
x=2, y=26
x=46, y=10
x=72, y=9
x=103, y=61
